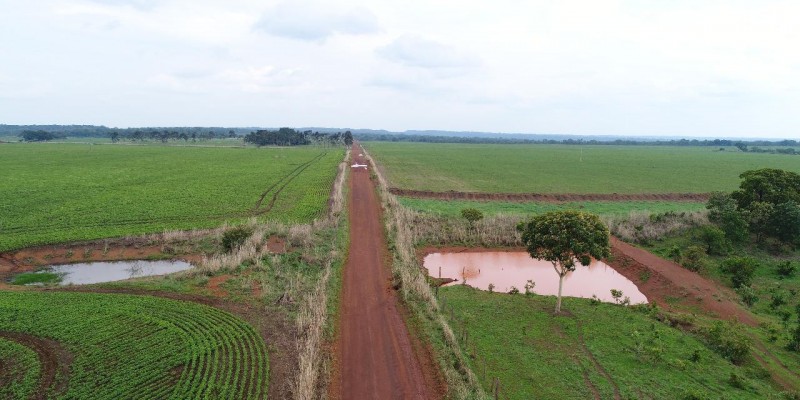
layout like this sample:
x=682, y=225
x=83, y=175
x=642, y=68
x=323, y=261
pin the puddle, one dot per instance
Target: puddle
x=98, y=272
x=507, y=269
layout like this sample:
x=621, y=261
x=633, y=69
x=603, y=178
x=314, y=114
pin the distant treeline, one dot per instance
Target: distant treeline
x=291, y=137
x=743, y=145
x=261, y=137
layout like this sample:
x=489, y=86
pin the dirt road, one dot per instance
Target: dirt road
x=376, y=359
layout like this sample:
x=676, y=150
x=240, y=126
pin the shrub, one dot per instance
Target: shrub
x=472, y=215
x=491, y=288
x=741, y=270
x=235, y=237
x=737, y=381
x=785, y=269
x=729, y=341
x=693, y=258
x=715, y=240
x=748, y=295
x=778, y=300
x=513, y=290
x=529, y=287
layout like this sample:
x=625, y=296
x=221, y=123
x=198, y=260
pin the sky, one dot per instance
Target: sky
x=708, y=68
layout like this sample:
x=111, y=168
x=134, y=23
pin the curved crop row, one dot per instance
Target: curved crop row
x=20, y=370
x=143, y=347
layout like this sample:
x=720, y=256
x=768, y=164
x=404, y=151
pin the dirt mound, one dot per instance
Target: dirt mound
x=550, y=197
x=54, y=360
x=663, y=280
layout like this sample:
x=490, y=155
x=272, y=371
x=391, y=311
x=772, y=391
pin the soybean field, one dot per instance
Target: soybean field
x=116, y=346
x=53, y=193
x=606, y=169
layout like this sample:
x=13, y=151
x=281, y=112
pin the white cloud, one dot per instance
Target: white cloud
x=704, y=67
x=415, y=51
x=316, y=21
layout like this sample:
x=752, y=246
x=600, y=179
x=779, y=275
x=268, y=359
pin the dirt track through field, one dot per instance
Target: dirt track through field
x=54, y=359
x=375, y=357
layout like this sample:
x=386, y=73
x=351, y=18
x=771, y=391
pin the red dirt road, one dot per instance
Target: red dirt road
x=376, y=357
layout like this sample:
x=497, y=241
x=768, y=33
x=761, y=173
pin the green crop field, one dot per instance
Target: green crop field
x=536, y=355
x=494, y=168
x=20, y=370
x=452, y=208
x=132, y=347
x=52, y=193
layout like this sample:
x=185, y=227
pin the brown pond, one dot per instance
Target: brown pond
x=507, y=269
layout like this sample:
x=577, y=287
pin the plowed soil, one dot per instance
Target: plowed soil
x=376, y=356
x=550, y=197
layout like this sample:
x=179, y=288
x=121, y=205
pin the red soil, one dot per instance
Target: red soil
x=214, y=285
x=376, y=357
x=670, y=280
x=276, y=245
x=549, y=197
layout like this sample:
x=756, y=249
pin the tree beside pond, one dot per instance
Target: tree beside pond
x=565, y=238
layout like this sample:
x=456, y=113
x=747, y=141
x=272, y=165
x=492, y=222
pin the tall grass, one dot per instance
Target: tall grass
x=405, y=229
x=639, y=227
x=313, y=314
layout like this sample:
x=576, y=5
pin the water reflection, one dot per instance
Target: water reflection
x=97, y=272
x=507, y=269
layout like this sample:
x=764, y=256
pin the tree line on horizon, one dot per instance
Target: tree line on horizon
x=165, y=134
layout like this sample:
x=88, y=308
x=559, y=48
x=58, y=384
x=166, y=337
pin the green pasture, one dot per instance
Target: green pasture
x=452, y=208
x=51, y=193
x=495, y=168
x=533, y=354
x=134, y=347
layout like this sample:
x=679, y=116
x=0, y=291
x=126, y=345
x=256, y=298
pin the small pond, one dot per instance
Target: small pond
x=507, y=269
x=97, y=272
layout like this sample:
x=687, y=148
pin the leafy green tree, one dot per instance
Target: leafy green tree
x=769, y=185
x=760, y=219
x=564, y=238
x=472, y=215
x=723, y=211
x=785, y=221
x=348, y=138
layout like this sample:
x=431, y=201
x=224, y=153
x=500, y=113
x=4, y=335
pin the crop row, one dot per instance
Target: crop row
x=21, y=370
x=143, y=347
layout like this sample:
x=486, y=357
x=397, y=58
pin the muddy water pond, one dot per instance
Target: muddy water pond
x=507, y=269
x=98, y=272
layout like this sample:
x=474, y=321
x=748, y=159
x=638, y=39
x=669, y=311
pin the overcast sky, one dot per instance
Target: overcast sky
x=661, y=67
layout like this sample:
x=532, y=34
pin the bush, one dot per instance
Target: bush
x=785, y=269
x=729, y=341
x=472, y=215
x=715, y=240
x=529, y=287
x=513, y=290
x=693, y=258
x=741, y=270
x=748, y=295
x=235, y=237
